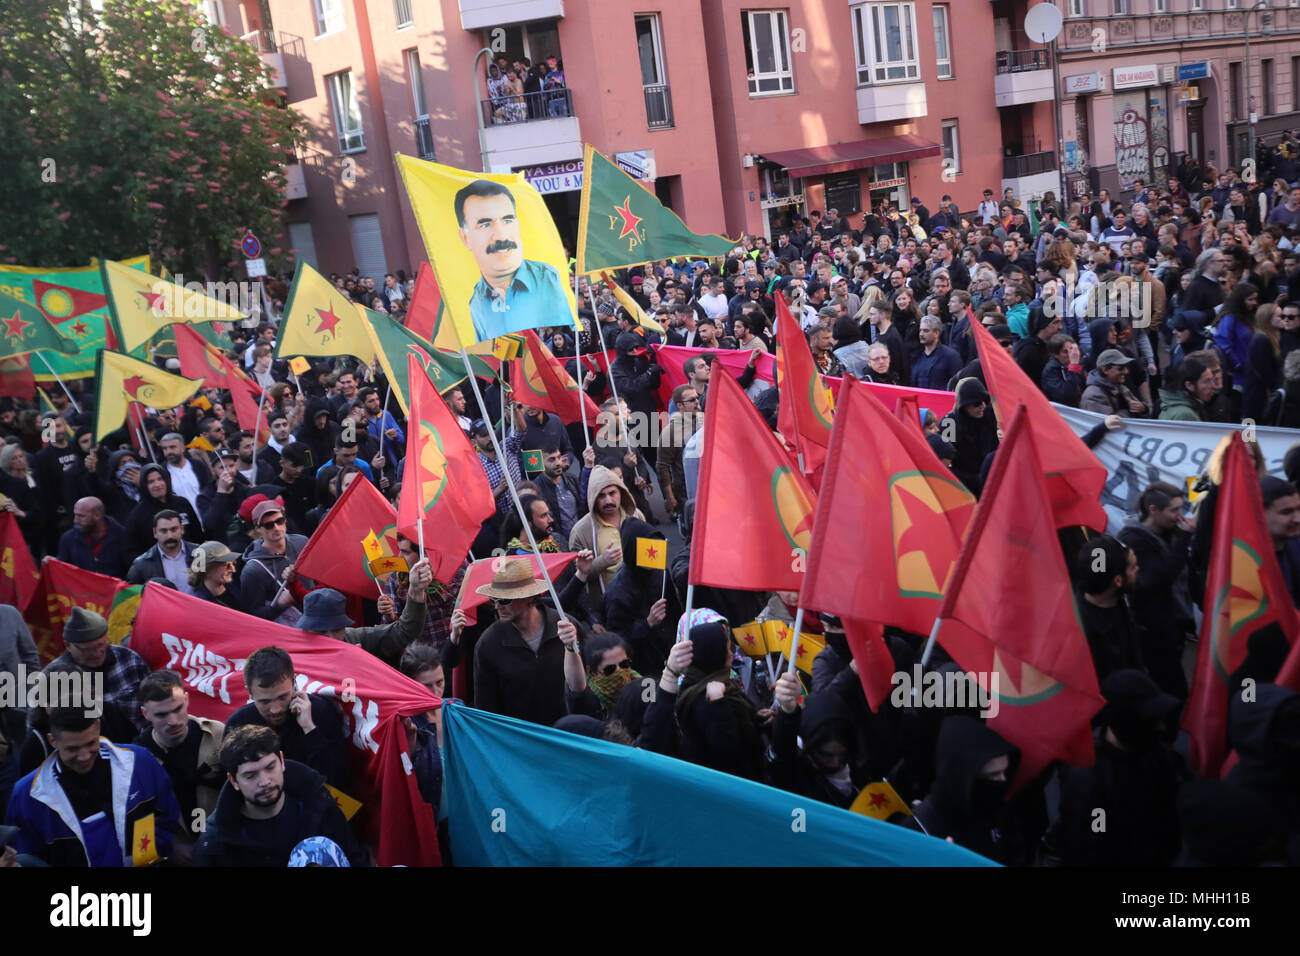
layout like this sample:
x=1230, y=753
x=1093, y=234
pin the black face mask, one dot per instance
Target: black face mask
x=1136, y=735
x=987, y=796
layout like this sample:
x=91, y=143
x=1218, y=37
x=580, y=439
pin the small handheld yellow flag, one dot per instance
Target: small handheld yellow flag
x=651, y=553
x=201, y=443
x=749, y=637
x=143, y=849
x=373, y=548
x=507, y=347
x=348, y=805
x=387, y=564
x=299, y=365
x=880, y=801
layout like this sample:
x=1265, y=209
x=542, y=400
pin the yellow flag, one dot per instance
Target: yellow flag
x=201, y=443
x=507, y=347
x=777, y=635
x=880, y=801
x=386, y=564
x=750, y=639
x=321, y=320
x=141, y=305
x=494, y=249
x=123, y=380
x=373, y=548
x=348, y=805
x=810, y=645
x=633, y=308
x=143, y=849
x=651, y=553
x=299, y=365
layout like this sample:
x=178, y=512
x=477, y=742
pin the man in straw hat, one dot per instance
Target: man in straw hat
x=519, y=660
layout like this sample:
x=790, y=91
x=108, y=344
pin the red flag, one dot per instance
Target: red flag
x=443, y=484
x=480, y=573
x=1009, y=614
x=18, y=574
x=891, y=521
x=1244, y=592
x=62, y=587
x=251, y=411
x=754, y=513
x=866, y=641
x=61, y=303
x=200, y=359
x=335, y=555
x=425, y=308
x=908, y=411
x=804, y=413
x=207, y=644
x=1075, y=477
x=539, y=379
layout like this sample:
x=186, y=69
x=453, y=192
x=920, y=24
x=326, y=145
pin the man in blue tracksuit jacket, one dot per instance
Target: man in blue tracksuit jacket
x=93, y=802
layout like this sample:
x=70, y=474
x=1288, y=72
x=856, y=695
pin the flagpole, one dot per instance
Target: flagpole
x=46, y=363
x=686, y=636
x=510, y=483
x=577, y=368
x=144, y=433
x=929, y=645
x=794, y=641
x=257, y=427
x=663, y=588
x=609, y=367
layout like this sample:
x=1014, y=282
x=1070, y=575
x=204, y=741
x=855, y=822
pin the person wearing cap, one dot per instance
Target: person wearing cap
x=95, y=542
x=1105, y=392
x=1134, y=781
x=170, y=556
x=92, y=802
x=212, y=576
x=519, y=660
x=88, y=651
x=922, y=214
x=324, y=612
x=973, y=429
x=268, y=581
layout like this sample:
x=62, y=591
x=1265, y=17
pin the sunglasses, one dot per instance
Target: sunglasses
x=500, y=602
x=273, y=523
x=624, y=664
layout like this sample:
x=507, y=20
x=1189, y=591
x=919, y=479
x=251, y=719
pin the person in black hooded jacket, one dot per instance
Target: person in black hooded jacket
x=719, y=724
x=1223, y=824
x=968, y=799
x=974, y=431
x=633, y=607
x=319, y=432
x=1031, y=353
x=828, y=767
x=1265, y=732
x=156, y=495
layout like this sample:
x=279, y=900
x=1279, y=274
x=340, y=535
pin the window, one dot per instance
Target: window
x=347, y=113
x=767, y=52
x=1235, y=90
x=1077, y=8
x=1198, y=4
x=1231, y=5
x=1161, y=6
x=844, y=193
x=1120, y=7
x=1266, y=84
x=649, y=45
x=329, y=16
x=951, y=146
x=885, y=35
x=402, y=13
x=416, y=79
x=942, y=52
x=214, y=12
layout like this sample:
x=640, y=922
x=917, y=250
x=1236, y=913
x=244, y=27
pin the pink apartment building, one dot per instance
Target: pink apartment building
x=735, y=115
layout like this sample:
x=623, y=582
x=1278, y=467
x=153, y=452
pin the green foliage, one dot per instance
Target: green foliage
x=138, y=128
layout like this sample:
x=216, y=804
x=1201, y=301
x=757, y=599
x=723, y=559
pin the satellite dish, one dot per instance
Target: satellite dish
x=1043, y=23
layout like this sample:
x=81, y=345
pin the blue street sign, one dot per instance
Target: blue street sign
x=1194, y=71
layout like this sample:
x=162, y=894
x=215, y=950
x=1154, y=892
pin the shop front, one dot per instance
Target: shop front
x=1140, y=105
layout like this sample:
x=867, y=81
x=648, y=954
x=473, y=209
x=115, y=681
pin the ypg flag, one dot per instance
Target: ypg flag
x=496, y=253
x=540, y=380
x=900, y=501
x=319, y=320
x=359, y=529
x=880, y=801
x=23, y=329
x=393, y=342
x=651, y=553
x=123, y=380
x=621, y=223
x=18, y=575
x=443, y=485
x=804, y=412
x=1009, y=616
x=750, y=639
x=143, y=305
x=1244, y=594
x=754, y=513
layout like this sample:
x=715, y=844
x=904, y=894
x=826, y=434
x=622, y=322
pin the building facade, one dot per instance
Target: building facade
x=736, y=116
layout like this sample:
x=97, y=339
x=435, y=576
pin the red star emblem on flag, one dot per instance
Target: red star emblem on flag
x=144, y=843
x=15, y=327
x=328, y=320
x=651, y=552
x=153, y=300
x=133, y=385
x=630, y=220
x=878, y=800
x=80, y=328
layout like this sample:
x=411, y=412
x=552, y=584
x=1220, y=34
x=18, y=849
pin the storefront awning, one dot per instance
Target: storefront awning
x=821, y=160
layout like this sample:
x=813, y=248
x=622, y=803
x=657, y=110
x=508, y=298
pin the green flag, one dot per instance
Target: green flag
x=393, y=342
x=24, y=328
x=623, y=224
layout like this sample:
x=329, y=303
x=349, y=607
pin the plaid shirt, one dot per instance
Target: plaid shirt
x=496, y=473
x=441, y=602
x=124, y=669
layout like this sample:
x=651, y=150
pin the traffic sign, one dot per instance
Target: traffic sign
x=251, y=245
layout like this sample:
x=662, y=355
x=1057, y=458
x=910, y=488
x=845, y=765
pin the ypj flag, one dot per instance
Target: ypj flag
x=1244, y=594
x=753, y=511
x=443, y=485
x=621, y=223
x=123, y=380
x=207, y=645
x=1074, y=476
x=1009, y=611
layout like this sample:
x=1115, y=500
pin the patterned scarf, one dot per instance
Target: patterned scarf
x=547, y=545
x=608, y=687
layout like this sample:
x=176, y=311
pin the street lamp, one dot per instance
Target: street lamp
x=478, y=109
x=1251, y=114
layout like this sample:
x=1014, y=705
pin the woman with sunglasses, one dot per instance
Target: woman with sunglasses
x=593, y=684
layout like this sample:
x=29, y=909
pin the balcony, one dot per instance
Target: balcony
x=530, y=130
x=480, y=14
x=263, y=41
x=295, y=183
x=424, y=138
x=891, y=102
x=1030, y=175
x=1022, y=77
x=658, y=107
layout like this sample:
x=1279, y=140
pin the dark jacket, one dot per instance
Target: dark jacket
x=1060, y=384
x=510, y=679
x=550, y=431
x=226, y=842
x=111, y=558
x=323, y=750
x=975, y=437
x=1262, y=732
x=1030, y=352
x=1113, y=636
x=139, y=522
x=824, y=716
x=632, y=593
x=546, y=488
x=1161, y=602
x=150, y=564
x=636, y=380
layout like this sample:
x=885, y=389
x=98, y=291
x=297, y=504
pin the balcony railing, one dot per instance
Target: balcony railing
x=1021, y=61
x=527, y=107
x=1014, y=167
x=659, y=107
x=263, y=41
x=424, y=138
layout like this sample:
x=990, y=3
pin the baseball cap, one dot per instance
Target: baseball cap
x=479, y=427
x=1112, y=357
x=916, y=201
x=265, y=508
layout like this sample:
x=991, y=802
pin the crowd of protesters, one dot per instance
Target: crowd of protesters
x=1174, y=305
